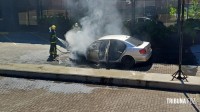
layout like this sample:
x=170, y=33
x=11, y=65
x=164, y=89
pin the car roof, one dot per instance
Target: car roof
x=143, y=18
x=116, y=37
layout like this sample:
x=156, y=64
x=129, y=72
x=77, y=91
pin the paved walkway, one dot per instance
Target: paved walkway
x=21, y=95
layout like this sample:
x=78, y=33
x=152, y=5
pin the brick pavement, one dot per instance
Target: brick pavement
x=19, y=95
x=169, y=69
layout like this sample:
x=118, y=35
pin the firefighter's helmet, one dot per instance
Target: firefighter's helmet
x=53, y=27
x=76, y=25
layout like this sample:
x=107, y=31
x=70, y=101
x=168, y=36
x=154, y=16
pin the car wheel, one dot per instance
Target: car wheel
x=127, y=62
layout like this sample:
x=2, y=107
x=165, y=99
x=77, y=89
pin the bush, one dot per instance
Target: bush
x=155, y=30
x=190, y=30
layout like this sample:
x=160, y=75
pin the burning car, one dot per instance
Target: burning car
x=122, y=49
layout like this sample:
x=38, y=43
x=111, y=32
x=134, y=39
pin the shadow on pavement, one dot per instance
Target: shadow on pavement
x=171, y=56
x=83, y=63
x=24, y=37
x=191, y=100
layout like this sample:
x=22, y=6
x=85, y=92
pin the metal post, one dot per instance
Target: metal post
x=180, y=20
x=134, y=9
x=180, y=33
x=132, y=13
x=187, y=8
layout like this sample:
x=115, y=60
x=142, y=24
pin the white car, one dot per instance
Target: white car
x=119, y=49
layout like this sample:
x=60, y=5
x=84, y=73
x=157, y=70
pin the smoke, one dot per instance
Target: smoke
x=99, y=18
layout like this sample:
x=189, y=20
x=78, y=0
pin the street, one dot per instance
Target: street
x=31, y=48
x=99, y=56
x=23, y=95
x=37, y=95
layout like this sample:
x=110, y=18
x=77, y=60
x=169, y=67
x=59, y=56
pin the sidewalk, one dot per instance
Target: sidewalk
x=100, y=76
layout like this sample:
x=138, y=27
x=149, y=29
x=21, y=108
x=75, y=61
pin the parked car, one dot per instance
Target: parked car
x=142, y=19
x=122, y=49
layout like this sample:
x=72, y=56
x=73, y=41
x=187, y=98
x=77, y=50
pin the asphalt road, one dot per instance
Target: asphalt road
x=27, y=47
x=23, y=95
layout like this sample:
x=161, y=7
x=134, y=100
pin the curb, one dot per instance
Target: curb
x=100, y=76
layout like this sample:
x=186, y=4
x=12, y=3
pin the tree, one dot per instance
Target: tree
x=172, y=11
x=194, y=10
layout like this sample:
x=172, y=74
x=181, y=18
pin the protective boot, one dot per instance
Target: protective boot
x=51, y=58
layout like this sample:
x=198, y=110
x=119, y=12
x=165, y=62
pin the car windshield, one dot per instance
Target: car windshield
x=134, y=41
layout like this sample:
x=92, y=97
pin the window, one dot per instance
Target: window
x=134, y=41
x=28, y=18
x=150, y=2
x=1, y=13
x=116, y=49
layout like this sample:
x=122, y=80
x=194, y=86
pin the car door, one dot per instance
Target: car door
x=103, y=50
x=93, y=51
x=116, y=49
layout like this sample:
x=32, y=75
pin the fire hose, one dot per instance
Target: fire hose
x=65, y=43
x=63, y=52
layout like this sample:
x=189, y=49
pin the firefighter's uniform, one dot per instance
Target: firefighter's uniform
x=53, y=40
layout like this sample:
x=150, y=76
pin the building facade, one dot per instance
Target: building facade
x=16, y=13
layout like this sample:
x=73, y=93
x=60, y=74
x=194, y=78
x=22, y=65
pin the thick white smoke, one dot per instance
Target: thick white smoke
x=101, y=18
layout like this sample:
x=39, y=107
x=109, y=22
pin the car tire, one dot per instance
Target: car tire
x=127, y=62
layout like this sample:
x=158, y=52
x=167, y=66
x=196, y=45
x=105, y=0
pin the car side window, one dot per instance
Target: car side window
x=116, y=49
x=120, y=46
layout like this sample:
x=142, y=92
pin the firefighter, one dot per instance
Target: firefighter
x=76, y=27
x=53, y=40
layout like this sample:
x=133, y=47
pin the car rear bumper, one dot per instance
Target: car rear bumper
x=143, y=58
